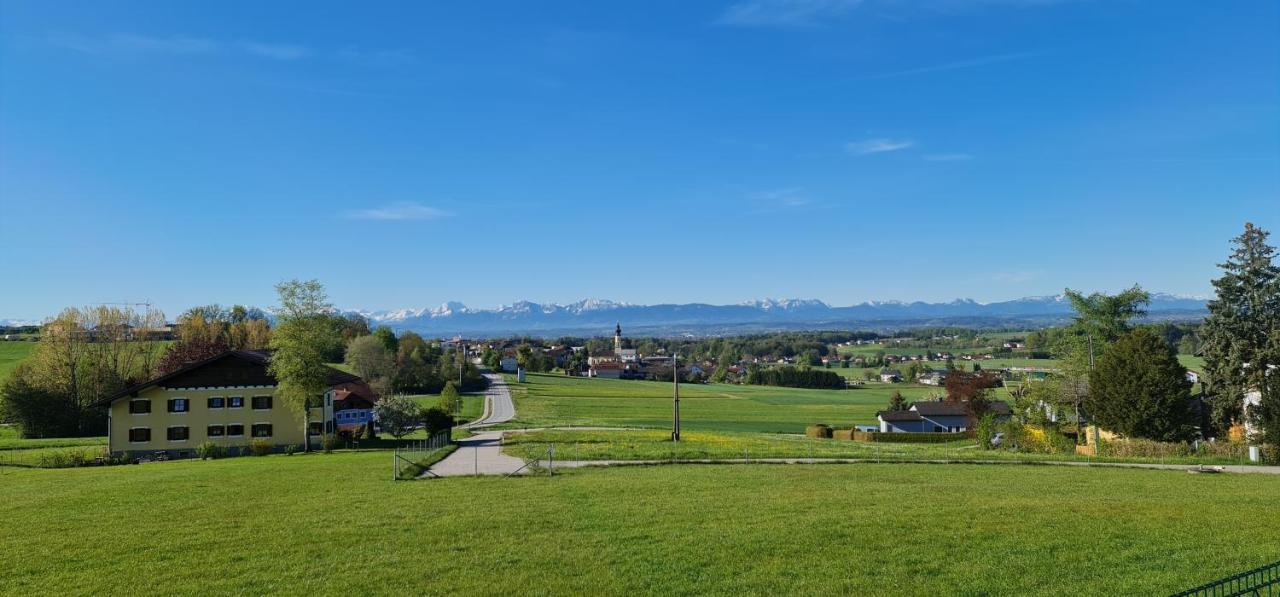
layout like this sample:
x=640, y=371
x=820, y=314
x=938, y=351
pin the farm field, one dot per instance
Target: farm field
x=700, y=445
x=900, y=529
x=557, y=400
x=12, y=353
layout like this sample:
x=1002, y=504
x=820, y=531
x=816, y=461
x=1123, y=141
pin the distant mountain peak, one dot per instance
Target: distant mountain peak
x=784, y=304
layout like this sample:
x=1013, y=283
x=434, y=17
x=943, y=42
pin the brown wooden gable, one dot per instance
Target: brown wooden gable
x=229, y=371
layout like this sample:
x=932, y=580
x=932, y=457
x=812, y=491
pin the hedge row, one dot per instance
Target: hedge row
x=897, y=438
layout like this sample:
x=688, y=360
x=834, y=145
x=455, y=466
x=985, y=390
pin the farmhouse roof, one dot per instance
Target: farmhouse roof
x=354, y=391
x=230, y=368
x=933, y=408
x=899, y=415
x=888, y=371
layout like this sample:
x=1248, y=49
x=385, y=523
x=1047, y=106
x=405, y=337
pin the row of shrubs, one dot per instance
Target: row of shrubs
x=1050, y=440
x=824, y=431
x=258, y=447
x=1142, y=448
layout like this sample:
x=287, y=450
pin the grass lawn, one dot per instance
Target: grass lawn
x=284, y=524
x=1192, y=362
x=557, y=400
x=12, y=353
x=472, y=405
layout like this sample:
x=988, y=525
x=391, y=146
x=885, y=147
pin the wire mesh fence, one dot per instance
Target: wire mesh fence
x=1263, y=581
x=410, y=460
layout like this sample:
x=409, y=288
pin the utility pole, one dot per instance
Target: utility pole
x=675, y=380
x=1096, y=446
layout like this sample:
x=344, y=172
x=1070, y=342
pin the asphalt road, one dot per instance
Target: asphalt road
x=498, y=405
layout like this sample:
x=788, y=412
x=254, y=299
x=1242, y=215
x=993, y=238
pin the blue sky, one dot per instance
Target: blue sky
x=411, y=153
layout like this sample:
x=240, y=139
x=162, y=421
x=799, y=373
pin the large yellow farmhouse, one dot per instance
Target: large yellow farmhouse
x=230, y=400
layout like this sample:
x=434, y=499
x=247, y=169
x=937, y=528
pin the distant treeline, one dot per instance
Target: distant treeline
x=808, y=346
x=791, y=377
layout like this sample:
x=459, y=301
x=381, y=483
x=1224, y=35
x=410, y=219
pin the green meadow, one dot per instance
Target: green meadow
x=12, y=353
x=558, y=400
x=286, y=524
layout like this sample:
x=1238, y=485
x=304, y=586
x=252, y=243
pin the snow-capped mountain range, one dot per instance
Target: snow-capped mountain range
x=596, y=316
x=593, y=317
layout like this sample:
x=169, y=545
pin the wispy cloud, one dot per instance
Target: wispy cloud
x=776, y=201
x=946, y=66
x=785, y=13
x=812, y=13
x=275, y=51
x=947, y=157
x=789, y=197
x=404, y=210
x=378, y=58
x=879, y=145
x=129, y=43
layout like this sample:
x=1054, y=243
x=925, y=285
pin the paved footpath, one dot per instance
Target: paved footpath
x=498, y=407
x=481, y=454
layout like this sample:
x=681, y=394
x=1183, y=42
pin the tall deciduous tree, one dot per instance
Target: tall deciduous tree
x=302, y=334
x=450, y=402
x=1138, y=389
x=369, y=358
x=1238, y=337
x=83, y=356
x=388, y=338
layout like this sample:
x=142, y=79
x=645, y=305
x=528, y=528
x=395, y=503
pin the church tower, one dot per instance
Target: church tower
x=617, y=339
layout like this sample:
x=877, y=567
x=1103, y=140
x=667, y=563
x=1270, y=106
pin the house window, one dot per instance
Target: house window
x=178, y=405
x=938, y=429
x=235, y=430
x=216, y=402
x=317, y=428
x=262, y=430
x=139, y=407
x=261, y=403
x=235, y=402
x=179, y=434
x=217, y=431
x=139, y=435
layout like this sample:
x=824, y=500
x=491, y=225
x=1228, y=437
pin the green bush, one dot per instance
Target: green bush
x=1271, y=453
x=260, y=447
x=55, y=459
x=329, y=443
x=436, y=420
x=819, y=431
x=986, y=431
x=290, y=450
x=209, y=451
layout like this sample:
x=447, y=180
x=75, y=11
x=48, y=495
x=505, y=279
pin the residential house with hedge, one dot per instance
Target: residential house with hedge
x=932, y=416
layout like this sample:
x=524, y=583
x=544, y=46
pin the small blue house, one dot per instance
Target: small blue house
x=935, y=416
